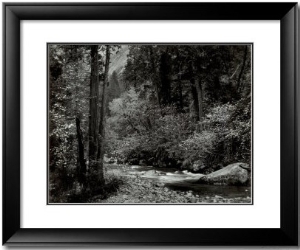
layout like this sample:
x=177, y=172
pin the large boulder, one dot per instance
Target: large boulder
x=233, y=174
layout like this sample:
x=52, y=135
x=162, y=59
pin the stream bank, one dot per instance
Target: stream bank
x=168, y=187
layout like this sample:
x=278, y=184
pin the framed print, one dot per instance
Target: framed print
x=155, y=123
x=151, y=91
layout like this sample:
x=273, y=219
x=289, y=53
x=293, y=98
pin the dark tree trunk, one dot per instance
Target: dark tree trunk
x=180, y=105
x=81, y=167
x=195, y=100
x=197, y=90
x=93, y=115
x=198, y=86
x=102, y=101
x=164, y=72
x=239, y=86
x=154, y=78
x=216, y=93
x=180, y=95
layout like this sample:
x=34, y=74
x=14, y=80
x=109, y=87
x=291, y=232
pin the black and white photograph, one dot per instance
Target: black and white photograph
x=150, y=124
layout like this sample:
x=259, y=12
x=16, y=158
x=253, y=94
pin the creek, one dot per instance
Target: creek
x=183, y=181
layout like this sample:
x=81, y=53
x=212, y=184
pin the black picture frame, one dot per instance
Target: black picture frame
x=287, y=234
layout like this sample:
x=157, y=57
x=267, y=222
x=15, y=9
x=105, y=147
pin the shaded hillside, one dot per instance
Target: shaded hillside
x=118, y=60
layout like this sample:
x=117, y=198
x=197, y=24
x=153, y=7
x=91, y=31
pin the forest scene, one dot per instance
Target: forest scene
x=150, y=123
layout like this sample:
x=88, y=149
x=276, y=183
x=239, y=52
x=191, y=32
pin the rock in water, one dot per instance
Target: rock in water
x=244, y=166
x=233, y=174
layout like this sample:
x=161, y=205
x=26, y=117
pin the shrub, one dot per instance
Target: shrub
x=198, y=147
x=142, y=132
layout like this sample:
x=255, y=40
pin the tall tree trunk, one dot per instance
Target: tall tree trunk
x=195, y=100
x=102, y=101
x=165, y=83
x=154, y=80
x=81, y=167
x=197, y=91
x=180, y=107
x=81, y=164
x=195, y=71
x=93, y=115
x=180, y=95
x=198, y=86
x=239, y=87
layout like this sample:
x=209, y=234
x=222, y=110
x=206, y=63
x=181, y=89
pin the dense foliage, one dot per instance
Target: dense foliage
x=184, y=106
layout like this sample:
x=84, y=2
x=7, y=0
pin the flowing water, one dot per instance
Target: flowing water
x=184, y=181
